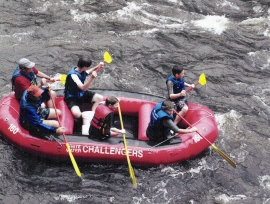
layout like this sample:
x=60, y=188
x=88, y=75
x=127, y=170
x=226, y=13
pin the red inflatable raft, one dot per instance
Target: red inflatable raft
x=136, y=116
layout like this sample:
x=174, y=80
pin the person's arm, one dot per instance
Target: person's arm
x=172, y=95
x=170, y=125
x=89, y=71
x=43, y=75
x=86, y=84
x=189, y=85
x=114, y=129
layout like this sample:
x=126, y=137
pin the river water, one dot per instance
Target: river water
x=227, y=40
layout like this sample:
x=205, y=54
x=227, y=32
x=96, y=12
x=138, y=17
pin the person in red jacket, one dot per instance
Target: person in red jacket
x=102, y=124
x=26, y=75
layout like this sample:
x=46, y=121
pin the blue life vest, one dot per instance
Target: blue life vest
x=155, y=127
x=30, y=114
x=32, y=77
x=178, y=84
x=71, y=88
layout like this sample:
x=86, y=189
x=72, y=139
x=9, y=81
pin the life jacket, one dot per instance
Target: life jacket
x=24, y=104
x=99, y=122
x=71, y=88
x=32, y=77
x=157, y=115
x=178, y=84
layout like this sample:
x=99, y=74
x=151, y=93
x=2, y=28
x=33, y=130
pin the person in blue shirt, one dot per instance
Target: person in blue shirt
x=176, y=91
x=161, y=123
x=33, y=117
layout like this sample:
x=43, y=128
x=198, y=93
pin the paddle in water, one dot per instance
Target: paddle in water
x=131, y=171
x=67, y=145
x=202, y=81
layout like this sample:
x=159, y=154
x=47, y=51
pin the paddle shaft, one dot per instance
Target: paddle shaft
x=190, y=88
x=131, y=171
x=64, y=136
x=231, y=162
x=57, y=116
x=99, y=67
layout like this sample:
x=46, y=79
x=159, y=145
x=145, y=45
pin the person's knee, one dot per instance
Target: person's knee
x=53, y=94
x=59, y=112
x=57, y=125
x=97, y=98
x=184, y=110
x=77, y=115
x=76, y=112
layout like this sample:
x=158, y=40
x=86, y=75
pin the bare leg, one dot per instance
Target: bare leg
x=53, y=123
x=96, y=99
x=52, y=114
x=76, y=112
x=49, y=103
x=183, y=112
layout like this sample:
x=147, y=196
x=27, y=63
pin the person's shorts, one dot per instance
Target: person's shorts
x=87, y=98
x=179, y=104
x=44, y=113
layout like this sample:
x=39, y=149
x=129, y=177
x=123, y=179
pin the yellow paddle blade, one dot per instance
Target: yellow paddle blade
x=202, y=79
x=107, y=57
x=131, y=171
x=231, y=162
x=73, y=161
x=63, y=79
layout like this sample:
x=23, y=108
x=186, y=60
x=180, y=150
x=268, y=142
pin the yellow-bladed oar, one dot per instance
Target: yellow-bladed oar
x=107, y=59
x=131, y=171
x=202, y=81
x=231, y=162
x=63, y=78
x=67, y=145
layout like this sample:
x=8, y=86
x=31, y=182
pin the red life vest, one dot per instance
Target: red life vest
x=98, y=120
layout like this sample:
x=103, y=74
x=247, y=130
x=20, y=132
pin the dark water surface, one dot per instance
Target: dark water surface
x=227, y=40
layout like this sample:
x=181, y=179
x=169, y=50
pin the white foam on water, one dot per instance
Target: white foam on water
x=214, y=24
x=41, y=9
x=79, y=2
x=266, y=33
x=264, y=181
x=253, y=21
x=69, y=198
x=231, y=118
x=82, y=17
x=226, y=199
x=203, y=165
x=228, y=4
x=20, y=36
x=138, y=13
x=261, y=103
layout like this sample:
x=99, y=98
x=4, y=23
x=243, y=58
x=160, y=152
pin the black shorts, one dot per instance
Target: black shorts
x=87, y=98
x=44, y=113
x=179, y=104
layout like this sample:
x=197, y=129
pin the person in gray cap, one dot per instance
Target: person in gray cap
x=26, y=75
